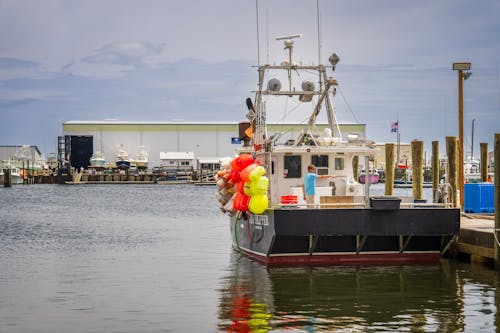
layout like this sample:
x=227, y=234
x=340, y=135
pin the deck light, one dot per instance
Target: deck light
x=461, y=66
x=463, y=74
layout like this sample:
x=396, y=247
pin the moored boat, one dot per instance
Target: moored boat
x=97, y=160
x=15, y=173
x=142, y=158
x=270, y=220
x=122, y=159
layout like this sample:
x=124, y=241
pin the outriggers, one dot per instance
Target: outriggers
x=345, y=225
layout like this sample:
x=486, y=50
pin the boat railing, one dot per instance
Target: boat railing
x=359, y=205
x=426, y=205
x=324, y=205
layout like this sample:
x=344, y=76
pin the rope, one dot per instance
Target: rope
x=496, y=239
x=250, y=234
x=235, y=234
x=348, y=105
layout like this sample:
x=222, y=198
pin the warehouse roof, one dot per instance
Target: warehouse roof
x=176, y=155
x=146, y=122
x=175, y=122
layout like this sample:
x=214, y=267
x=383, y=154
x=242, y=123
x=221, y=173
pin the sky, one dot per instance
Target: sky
x=163, y=60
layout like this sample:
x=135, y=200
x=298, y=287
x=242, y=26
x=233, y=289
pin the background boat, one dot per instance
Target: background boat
x=122, y=159
x=97, y=160
x=142, y=158
x=15, y=173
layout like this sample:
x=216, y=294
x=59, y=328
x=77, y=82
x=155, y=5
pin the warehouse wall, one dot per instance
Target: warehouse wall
x=203, y=139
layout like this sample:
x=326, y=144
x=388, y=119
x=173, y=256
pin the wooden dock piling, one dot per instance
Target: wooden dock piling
x=435, y=169
x=484, y=161
x=417, y=155
x=452, y=153
x=7, y=178
x=389, y=168
x=496, y=251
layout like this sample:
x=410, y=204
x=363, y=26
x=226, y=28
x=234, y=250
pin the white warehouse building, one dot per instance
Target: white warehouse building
x=209, y=139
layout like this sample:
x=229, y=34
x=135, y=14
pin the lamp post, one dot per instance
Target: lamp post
x=463, y=74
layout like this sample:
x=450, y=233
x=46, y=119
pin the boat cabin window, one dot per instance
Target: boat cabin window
x=339, y=163
x=321, y=163
x=293, y=166
x=320, y=160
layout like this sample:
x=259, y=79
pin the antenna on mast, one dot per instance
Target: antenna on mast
x=319, y=43
x=289, y=37
x=289, y=45
x=258, y=35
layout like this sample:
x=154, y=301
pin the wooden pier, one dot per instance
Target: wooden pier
x=477, y=237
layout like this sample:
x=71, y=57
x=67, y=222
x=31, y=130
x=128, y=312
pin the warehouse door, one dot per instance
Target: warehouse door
x=81, y=151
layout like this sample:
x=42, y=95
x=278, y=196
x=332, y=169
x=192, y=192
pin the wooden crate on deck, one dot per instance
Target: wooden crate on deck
x=337, y=201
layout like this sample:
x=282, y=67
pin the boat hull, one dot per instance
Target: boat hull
x=15, y=179
x=141, y=164
x=343, y=236
x=123, y=164
x=97, y=163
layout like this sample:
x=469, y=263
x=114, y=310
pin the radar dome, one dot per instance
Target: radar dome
x=274, y=85
x=307, y=86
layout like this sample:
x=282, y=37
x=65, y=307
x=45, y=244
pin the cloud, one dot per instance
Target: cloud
x=127, y=53
x=192, y=59
x=13, y=63
x=115, y=59
x=17, y=68
x=32, y=94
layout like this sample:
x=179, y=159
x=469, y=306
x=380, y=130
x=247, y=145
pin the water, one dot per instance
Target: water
x=151, y=258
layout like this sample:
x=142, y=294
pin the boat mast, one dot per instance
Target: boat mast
x=472, y=143
x=319, y=45
x=258, y=34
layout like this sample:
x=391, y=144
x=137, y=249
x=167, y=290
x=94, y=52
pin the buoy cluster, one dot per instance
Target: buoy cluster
x=242, y=186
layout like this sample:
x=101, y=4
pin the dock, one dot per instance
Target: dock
x=477, y=237
x=409, y=185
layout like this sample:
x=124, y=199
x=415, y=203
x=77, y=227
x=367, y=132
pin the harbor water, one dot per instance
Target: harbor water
x=153, y=258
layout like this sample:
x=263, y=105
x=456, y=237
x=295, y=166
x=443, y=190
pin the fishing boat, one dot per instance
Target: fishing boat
x=261, y=188
x=472, y=172
x=142, y=158
x=122, y=159
x=15, y=173
x=97, y=160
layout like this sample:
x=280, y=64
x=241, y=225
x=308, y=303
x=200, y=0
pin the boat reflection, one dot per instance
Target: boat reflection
x=254, y=298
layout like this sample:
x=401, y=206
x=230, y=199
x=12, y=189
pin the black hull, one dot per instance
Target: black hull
x=341, y=236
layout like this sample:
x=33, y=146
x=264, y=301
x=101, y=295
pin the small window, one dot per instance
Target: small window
x=339, y=163
x=293, y=166
x=320, y=160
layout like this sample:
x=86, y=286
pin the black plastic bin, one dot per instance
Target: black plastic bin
x=385, y=203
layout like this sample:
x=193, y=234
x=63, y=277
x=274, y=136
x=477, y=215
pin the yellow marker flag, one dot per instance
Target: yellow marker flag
x=249, y=132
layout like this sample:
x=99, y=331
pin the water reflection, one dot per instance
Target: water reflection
x=437, y=298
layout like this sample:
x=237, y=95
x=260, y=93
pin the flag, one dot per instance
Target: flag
x=394, y=126
x=249, y=132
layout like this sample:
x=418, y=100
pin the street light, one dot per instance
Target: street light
x=463, y=74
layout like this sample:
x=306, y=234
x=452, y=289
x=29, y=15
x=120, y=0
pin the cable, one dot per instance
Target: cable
x=347, y=103
x=235, y=234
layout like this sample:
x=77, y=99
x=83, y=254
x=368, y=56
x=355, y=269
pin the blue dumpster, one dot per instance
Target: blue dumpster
x=479, y=198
